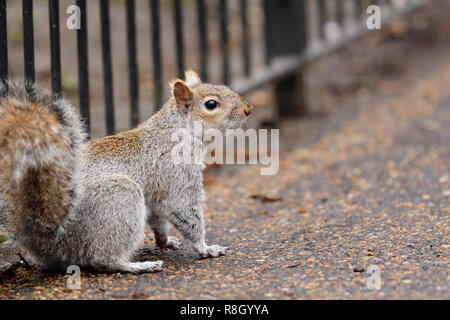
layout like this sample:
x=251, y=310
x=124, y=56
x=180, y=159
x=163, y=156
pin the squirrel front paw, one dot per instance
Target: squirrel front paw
x=213, y=251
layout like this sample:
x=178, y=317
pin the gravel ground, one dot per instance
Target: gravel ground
x=365, y=183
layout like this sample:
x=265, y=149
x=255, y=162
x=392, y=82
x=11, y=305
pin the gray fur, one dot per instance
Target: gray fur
x=117, y=196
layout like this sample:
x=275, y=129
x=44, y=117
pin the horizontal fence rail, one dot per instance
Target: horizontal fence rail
x=285, y=37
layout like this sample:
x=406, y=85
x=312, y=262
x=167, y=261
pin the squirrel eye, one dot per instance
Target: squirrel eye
x=211, y=104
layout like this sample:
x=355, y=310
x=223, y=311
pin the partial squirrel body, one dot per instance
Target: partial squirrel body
x=41, y=147
x=71, y=203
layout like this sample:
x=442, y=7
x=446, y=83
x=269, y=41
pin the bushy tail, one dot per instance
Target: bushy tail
x=41, y=146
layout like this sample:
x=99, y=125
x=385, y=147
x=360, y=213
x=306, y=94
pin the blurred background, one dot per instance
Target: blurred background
x=250, y=44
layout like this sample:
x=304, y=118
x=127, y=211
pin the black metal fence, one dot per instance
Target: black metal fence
x=287, y=44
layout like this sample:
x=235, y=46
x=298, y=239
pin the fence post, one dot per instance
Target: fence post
x=290, y=95
x=286, y=36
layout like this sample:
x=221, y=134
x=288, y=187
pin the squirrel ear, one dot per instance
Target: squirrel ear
x=192, y=78
x=181, y=92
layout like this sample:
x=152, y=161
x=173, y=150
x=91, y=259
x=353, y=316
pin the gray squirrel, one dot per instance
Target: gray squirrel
x=74, y=203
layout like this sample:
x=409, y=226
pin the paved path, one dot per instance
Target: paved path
x=369, y=184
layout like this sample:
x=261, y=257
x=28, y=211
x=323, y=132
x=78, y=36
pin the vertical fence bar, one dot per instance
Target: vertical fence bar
x=178, y=19
x=3, y=50
x=303, y=32
x=107, y=66
x=83, y=67
x=156, y=46
x=224, y=42
x=245, y=39
x=291, y=93
x=203, y=39
x=358, y=9
x=55, y=49
x=267, y=23
x=28, y=45
x=132, y=63
x=340, y=13
x=322, y=17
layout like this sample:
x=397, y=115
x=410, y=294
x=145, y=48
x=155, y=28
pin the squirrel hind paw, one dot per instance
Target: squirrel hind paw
x=167, y=242
x=213, y=251
x=142, y=267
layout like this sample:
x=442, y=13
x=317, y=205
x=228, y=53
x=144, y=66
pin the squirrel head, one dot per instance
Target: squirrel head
x=217, y=106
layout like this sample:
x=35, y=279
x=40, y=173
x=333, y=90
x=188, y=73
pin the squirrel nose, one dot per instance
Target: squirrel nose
x=248, y=109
